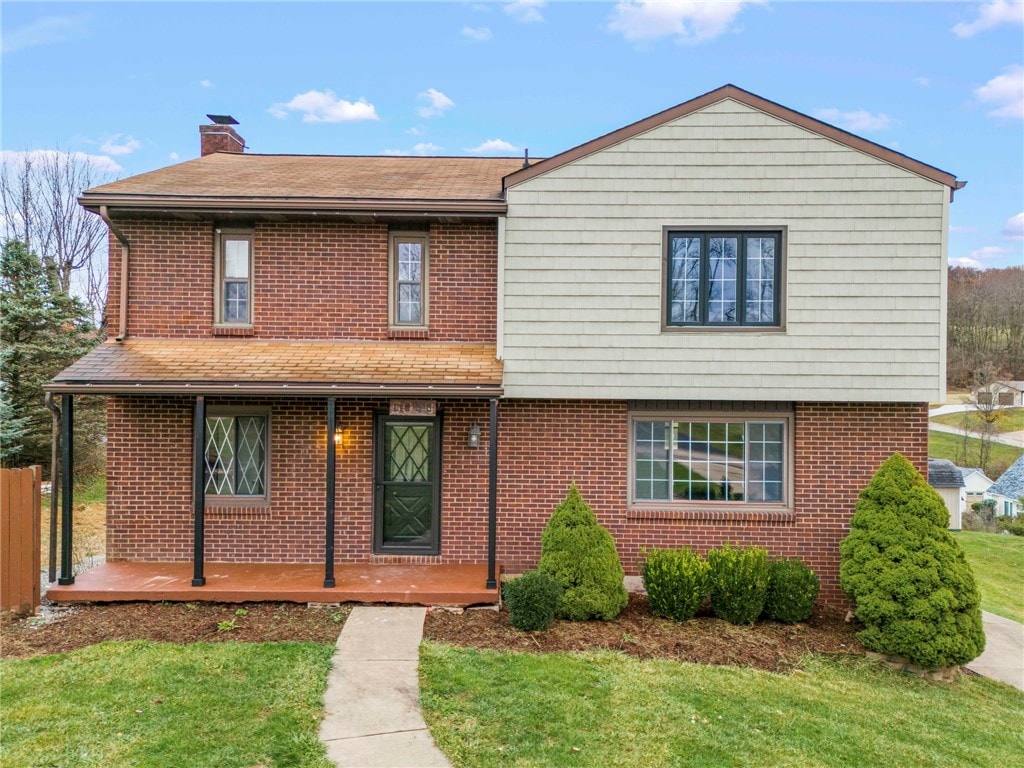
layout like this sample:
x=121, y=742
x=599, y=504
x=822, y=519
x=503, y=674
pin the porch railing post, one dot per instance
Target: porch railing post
x=199, y=491
x=67, y=480
x=329, y=502
x=492, y=498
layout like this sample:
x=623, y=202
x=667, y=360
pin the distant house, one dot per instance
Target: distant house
x=976, y=484
x=945, y=477
x=1005, y=393
x=1007, y=490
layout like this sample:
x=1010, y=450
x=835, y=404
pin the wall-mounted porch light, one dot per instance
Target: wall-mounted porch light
x=474, y=437
x=339, y=435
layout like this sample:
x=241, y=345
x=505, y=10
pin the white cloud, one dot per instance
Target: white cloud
x=414, y=131
x=494, y=145
x=689, y=21
x=480, y=34
x=436, y=103
x=1005, y=92
x=992, y=15
x=1014, y=227
x=49, y=29
x=174, y=156
x=990, y=252
x=119, y=144
x=421, y=149
x=325, y=107
x=526, y=11
x=964, y=262
x=16, y=159
x=954, y=229
x=206, y=84
x=924, y=82
x=858, y=121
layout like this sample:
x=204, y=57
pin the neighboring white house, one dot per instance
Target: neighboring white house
x=1008, y=489
x=1005, y=393
x=945, y=477
x=976, y=484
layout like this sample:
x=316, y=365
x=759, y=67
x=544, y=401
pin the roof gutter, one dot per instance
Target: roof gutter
x=296, y=389
x=126, y=247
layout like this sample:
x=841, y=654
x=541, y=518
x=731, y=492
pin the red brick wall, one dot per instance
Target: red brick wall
x=543, y=447
x=310, y=281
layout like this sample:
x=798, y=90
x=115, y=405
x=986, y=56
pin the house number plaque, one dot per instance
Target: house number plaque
x=413, y=408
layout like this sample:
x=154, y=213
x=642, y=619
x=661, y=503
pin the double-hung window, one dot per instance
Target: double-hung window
x=723, y=278
x=710, y=460
x=409, y=272
x=234, y=278
x=236, y=455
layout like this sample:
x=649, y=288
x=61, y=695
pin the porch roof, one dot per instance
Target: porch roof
x=296, y=368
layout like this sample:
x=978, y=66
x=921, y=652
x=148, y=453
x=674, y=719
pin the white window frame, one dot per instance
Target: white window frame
x=231, y=500
x=784, y=417
x=394, y=238
x=218, y=277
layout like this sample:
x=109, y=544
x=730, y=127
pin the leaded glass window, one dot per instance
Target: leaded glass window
x=236, y=455
x=723, y=278
x=709, y=460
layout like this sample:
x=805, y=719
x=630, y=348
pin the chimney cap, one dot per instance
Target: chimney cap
x=222, y=120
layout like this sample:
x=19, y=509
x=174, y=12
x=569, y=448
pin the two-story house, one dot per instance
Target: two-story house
x=717, y=321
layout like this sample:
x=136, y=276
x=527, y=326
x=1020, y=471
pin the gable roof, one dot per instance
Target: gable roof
x=751, y=100
x=942, y=473
x=314, y=182
x=1011, y=482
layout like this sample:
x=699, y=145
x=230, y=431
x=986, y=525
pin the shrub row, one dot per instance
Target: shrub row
x=742, y=583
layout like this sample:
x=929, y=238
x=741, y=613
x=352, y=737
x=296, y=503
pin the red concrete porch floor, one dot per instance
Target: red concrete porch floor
x=286, y=582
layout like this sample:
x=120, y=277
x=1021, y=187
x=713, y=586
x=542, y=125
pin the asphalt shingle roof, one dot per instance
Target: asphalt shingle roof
x=942, y=473
x=1011, y=482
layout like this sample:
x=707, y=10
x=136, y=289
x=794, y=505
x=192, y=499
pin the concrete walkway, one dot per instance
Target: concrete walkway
x=372, y=699
x=1016, y=439
x=1003, y=658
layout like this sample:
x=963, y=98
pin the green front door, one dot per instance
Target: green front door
x=407, y=474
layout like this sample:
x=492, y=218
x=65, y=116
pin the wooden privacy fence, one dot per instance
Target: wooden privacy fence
x=19, y=539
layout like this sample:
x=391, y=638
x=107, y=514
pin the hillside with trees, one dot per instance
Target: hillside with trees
x=985, y=323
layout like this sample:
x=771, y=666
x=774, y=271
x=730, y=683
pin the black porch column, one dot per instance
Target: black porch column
x=67, y=479
x=329, y=503
x=199, y=491
x=492, y=498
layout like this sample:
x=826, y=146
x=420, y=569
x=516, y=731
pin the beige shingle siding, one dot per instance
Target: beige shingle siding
x=865, y=268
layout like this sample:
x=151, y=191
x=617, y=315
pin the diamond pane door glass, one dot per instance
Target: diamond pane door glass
x=220, y=455
x=251, y=456
x=408, y=501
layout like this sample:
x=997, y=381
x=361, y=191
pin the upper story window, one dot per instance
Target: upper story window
x=234, y=278
x=408, y=289
x=723, y=278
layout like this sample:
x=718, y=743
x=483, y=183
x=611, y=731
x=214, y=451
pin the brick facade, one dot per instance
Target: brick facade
x=311, y=280
x=543, y=447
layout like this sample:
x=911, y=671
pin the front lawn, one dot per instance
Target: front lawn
x=998, y=564
x=1010, y=420
x=942, y=445
x=488, y=708
x=156, y=704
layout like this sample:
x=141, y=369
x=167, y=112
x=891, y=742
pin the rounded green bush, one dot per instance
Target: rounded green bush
x=739, y=583
x=676, y=581
x=578, y=553
x=906, y=575
x=792, y=590
x=531, y=600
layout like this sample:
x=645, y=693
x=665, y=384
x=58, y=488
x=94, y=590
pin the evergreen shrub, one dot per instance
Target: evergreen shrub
x=578, y=553
x=792, y=590
x=676, y=581
x=531, y=600
x=907, y=576
x=739, y=583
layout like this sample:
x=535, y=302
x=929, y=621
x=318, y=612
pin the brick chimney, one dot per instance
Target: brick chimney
x=220, y=136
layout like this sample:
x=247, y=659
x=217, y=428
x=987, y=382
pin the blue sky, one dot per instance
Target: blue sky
x=128, y=83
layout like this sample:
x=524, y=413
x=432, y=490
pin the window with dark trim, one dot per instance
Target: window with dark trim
x=710, y=460
x=409, y=270
x=234, y=278
x=236, y=455
x=726, y=278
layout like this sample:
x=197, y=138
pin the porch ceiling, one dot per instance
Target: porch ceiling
x=257, y=367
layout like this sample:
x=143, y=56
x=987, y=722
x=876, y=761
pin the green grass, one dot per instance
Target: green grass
x=155, y=704
x=91, y=490
x=998, y=564
x=942, y=445
x=603, y=709
x=1010, y=420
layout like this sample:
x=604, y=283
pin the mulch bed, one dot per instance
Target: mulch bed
x=61, y=629
x=766, y=645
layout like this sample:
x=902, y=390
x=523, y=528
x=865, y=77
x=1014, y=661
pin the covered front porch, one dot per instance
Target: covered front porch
x=433, y=584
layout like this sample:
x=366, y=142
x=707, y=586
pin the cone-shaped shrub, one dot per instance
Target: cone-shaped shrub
x=907, y=576
x=580, y=555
